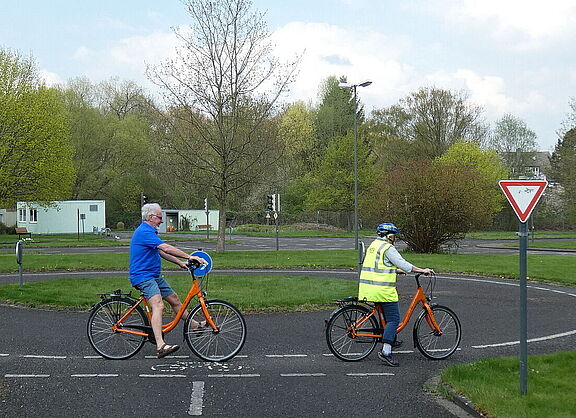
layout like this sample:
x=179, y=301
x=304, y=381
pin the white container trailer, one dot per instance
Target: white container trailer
x=62, y=217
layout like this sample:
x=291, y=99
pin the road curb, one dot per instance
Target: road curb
x=447, y=394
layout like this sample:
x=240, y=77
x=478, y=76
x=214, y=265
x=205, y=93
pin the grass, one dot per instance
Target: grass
x=541, y=267
x=237, y=259
x=493, y=385
x=260, y=293
x=558, y=245
x=512, y=235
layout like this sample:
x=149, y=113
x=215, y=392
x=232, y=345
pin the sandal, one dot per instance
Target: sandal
x=166, y=349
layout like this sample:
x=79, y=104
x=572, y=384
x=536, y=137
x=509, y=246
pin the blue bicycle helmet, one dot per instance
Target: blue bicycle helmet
x=387, y=228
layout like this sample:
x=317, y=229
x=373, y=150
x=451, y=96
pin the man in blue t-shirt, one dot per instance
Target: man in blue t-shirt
x=146, y=251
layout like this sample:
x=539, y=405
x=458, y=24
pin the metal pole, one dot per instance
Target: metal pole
x=276, y=216
x=355, y=171
x=207, y=224
x=523, y=235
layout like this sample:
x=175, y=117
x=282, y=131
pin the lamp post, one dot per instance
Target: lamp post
x=346, y=85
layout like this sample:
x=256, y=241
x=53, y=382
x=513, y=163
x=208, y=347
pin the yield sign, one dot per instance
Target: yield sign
x=523, y=195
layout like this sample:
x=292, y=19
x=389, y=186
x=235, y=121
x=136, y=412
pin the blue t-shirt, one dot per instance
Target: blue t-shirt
x=145, y=260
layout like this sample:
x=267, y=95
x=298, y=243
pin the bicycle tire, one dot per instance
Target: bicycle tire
x=431, y=344
x=116, y=345
x=212, y=345
x=338, y=336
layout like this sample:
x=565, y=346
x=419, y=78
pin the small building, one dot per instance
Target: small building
x=62, y=217
x=188, y=220
x=8, y=217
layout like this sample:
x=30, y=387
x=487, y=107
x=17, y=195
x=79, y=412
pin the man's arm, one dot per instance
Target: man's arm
x=172, y=259
x=172, y=254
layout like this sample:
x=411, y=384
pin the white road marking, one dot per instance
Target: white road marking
x=196, y=399
x=94, y=357
x=26, y=375
x=285, y=355
x=161, y=375
x=233, y=375
x=302, y=374
x=44, y=357
x=94, y=375
x=531, y=340
x=4, y=355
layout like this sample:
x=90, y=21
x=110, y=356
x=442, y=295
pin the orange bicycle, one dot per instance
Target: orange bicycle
x=215, y=330
x=355, y=328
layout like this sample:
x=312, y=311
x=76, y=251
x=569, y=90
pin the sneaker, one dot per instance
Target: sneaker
x=388, y=359
x=397, y=344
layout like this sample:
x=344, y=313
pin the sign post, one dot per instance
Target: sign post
x=523, y=195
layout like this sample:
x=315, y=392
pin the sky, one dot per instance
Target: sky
x=510, y=56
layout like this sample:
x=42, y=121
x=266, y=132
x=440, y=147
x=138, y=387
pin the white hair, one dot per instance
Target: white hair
x=149, y=209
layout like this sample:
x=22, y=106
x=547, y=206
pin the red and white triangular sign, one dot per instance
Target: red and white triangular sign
x=523, y=195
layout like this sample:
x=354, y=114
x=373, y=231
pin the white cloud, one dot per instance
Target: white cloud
x=520, y=24
x=126, y=58
x=50, y=79
x=331, y=50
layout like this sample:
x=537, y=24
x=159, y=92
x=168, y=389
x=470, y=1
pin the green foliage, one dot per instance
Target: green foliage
x=437, y=202
x=489, y=169
x=515, y=142
x=335, y=115
x=297, y=132
x=333, y=180
x=433, y=119
x=563, y=164
x=113, y=150
x=35, y=152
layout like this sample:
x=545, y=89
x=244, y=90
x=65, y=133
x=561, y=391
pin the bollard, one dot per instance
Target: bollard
x=19, y=253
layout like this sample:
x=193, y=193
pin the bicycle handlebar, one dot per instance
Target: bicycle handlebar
x=193, y=264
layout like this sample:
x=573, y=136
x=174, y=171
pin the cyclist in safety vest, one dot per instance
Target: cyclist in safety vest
x=378, y=283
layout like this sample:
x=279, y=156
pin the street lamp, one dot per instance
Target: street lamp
x=346, y=85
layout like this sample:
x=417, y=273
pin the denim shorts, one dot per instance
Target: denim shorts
x=153, y=287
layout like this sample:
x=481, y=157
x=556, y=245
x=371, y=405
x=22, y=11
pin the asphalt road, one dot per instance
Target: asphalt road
x=47, y=367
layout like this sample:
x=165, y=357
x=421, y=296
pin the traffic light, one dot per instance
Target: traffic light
x=271, y=206
x=205, y=204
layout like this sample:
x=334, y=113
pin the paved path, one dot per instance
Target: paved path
x=47, y=367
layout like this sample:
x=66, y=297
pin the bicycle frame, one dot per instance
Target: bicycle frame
x=419, y=297
x=195, y=290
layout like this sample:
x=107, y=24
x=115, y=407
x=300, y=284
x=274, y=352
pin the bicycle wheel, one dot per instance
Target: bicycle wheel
x=339, y=338
x=212, y=345
x=433, y=345
x=116, y=345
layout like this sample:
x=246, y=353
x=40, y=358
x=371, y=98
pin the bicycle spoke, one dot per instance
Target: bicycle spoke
x=110, y=344
x=216, y=345
x=339, y=333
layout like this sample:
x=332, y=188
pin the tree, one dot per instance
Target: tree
x=35, y=152
x=434, y=119
x=563, y=164
x=436, y=202
x=570, y=121
x=114, y=155
x=222, y=88
x=297, y=133
x=335, y=114
x=515, y=142
x=333, y=181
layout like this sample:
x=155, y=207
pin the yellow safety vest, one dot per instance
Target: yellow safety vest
x=377, y=281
